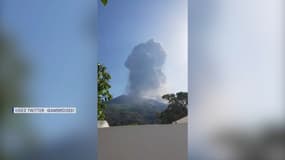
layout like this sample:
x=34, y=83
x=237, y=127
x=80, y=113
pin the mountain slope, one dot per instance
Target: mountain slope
x=131, y=110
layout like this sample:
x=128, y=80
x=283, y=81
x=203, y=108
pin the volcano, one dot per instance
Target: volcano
x=133, y=110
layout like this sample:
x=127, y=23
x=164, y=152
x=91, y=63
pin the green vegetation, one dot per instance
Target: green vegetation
x=103, y=90
x=13, y=73
x=129, y=110
x=104, y=2
x=176, y=109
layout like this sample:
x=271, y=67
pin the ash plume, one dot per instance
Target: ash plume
x=145, y=69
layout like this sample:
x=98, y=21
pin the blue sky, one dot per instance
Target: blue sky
x=239, y=54
x=237, y=69
x=56, y=42
x=237, y=64
x=124, y=24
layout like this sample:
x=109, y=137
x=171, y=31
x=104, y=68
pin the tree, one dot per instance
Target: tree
x=104, y=95
x=103, y=85
x=13, y=74
x=177, y=107
x=104, y=2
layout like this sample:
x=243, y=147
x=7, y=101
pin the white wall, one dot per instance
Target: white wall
x=148, y=142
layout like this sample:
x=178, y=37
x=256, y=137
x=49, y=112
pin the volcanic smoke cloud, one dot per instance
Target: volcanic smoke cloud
x=145, y=69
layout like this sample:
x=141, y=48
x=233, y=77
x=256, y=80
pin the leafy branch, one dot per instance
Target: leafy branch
x=104, y=2
x=103, y=90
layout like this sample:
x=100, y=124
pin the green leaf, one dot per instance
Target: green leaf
x=103, y=86
x=104, y=2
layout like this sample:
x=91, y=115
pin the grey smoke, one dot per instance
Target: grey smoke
x=145, y=69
